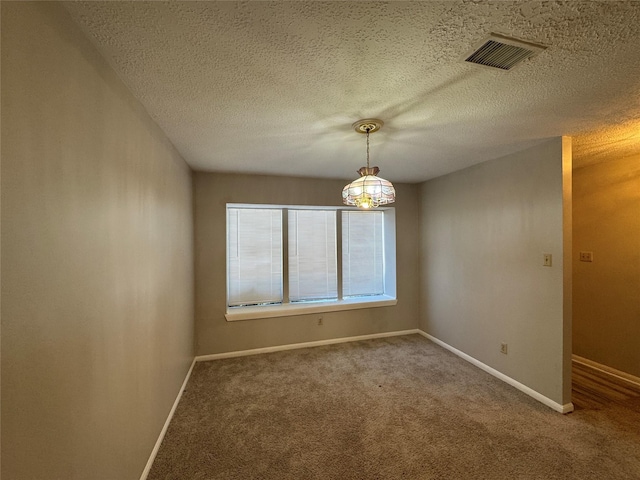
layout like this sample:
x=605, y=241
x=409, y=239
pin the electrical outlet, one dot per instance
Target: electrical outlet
x=320, y=321
x=503, y=348
x=586, y=256
x=546, y=259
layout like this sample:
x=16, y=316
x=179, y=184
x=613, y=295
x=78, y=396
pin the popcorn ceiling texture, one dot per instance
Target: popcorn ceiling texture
x=273, y=87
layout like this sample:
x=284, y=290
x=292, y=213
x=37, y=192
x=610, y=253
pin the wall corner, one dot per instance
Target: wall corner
x=567, y=260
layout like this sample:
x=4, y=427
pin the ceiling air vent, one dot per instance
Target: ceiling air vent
x=503, y=52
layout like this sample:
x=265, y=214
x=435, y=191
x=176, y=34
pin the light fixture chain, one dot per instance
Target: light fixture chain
x=368, y=149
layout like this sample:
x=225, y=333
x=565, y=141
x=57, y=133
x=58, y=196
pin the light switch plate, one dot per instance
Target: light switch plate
x=586, y=256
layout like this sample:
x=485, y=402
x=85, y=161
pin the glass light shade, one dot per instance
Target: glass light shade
x=368, y=191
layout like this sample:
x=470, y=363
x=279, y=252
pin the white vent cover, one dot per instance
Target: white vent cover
x=503, y=52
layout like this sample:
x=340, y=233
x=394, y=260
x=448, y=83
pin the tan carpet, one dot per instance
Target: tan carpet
x=393, y=408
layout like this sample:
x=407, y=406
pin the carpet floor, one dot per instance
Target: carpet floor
x=391, y=408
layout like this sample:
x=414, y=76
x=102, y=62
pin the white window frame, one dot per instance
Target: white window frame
x=285, y=309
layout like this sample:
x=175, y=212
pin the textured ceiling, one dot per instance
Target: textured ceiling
x=273, y=87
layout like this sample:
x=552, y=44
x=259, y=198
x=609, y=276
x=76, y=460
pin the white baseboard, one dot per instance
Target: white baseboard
x=156, y=447
x=618, y=375
x=294, y=346
x=566, y=408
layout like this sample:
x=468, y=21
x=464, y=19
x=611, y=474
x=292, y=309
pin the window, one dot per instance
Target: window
x=362, y=253
x=254, y=254
x=292, y=260
x=313, y=270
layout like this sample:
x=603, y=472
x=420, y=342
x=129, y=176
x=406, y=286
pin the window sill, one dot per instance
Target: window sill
x=289, y=310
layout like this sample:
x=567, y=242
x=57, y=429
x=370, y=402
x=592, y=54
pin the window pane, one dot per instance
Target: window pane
x=312, y=255
x=254, y=256
x=362, y=253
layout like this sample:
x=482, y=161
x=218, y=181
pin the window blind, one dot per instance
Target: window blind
x=312, y=255
x=362, y=253
x=254, y=256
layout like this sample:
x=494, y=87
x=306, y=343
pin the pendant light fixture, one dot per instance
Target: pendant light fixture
x=368, y=191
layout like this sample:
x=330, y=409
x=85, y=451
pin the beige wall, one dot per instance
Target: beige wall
x=97, y=272
x=484, y=232
x=607, y=291
x=214, y=334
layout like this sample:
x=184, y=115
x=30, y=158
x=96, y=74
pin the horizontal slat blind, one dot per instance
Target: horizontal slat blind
x=254, y=256
x=312, y=255
x=362, y=253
